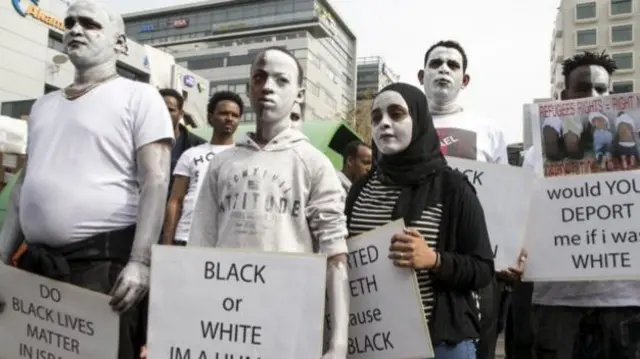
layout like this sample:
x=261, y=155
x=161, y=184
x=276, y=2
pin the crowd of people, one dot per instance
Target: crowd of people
x=88, y=211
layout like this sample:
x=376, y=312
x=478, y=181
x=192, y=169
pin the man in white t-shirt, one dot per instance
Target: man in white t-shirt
x=592, y=319
x=92, y=196
x=224, y=111
x=275, y=192
x=462, y=133
x=466, y=135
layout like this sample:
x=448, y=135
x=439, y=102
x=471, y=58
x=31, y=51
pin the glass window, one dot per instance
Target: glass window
x=239, y=60
x=251, y=11
x=623, y=60
x=622, y=33
x=587, y=37
x=203, y=64
x=622, y=87
x=311, y=87
x=620, y=7
x=55, y=41
x=586, y=11
x=16, y=109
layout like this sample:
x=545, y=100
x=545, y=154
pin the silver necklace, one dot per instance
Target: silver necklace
x=70, y=94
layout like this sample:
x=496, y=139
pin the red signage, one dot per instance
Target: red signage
x=179, y=23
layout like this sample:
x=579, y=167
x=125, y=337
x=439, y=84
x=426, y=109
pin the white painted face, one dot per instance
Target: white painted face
x=600, y=79
x=443, y=75
x=274, y=86
x=392, y=125
x=296, y=117
x=93, y=36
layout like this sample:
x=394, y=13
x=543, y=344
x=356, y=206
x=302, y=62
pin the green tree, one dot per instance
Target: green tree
x=359, y=116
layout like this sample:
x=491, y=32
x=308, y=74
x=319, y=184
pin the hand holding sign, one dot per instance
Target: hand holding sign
x=514, y=274
x=410, y=250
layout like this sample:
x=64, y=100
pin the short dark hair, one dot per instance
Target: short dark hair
x=452, y=45
x=588, y=58
x=290, y=54
x=224, y=96
x=351, y=150
x=175, y=94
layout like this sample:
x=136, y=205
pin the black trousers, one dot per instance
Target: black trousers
x=93, y=264
x=518, y=334
x=489, y=309
x=586, y=333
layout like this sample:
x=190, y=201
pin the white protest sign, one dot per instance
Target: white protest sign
x=505, y=194
x=47, y=319
x=584, y=228
x=386, y=319
x=225, y=303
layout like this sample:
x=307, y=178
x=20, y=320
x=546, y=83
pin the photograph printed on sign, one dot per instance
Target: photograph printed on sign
x=590, y=135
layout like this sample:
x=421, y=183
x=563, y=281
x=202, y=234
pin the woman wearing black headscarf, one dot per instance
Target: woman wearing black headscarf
x=446, y=239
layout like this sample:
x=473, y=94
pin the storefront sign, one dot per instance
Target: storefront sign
x=189, y=80
x=34, y=11
x=179, y=23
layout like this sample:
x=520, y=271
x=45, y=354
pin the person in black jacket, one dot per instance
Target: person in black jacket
x=184, y=139
x=446, y=239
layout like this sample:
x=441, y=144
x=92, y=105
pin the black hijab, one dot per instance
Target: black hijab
x=418, y=169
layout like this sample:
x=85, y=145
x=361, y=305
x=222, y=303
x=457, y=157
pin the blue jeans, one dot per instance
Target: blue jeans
x=464, y=350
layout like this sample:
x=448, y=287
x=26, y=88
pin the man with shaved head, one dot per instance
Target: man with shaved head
x=278, y=163
x=92, y=196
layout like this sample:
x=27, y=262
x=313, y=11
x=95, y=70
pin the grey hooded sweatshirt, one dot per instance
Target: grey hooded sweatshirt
x=284, y=197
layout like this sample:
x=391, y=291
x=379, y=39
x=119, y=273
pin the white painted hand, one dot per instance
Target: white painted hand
x=132, y=284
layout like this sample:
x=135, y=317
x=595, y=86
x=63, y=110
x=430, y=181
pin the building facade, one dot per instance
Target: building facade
x=32, y=62
x=219, y=39
x=597, y=25
x=373, y=75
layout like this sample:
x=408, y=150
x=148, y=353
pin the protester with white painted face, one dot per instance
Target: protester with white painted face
x=599, y=319
x=277, y=161
x=92, y=196
x=223, y=114
x=445, y=239
x=465, y=134
x=296, y=116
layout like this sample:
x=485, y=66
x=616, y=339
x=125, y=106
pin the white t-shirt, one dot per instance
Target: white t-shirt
x=81, y=176
x=193, y=164
x=472, y=137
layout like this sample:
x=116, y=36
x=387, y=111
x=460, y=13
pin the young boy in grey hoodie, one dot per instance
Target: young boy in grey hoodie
x=276, y=192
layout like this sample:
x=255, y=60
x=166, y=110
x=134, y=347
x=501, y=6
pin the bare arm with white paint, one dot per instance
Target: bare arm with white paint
x=338, y=305
x=154, y=162
x=11, y=235
x=153, y=138
x=328, y=225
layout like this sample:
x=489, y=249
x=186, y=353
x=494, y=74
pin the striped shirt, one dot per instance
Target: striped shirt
x=373, y=208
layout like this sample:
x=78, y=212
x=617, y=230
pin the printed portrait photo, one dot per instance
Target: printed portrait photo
x=590, y=136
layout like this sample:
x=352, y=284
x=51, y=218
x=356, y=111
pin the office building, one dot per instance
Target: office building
x=32, y=62
x=597, y=25
x=373, y=75
x=219, y=39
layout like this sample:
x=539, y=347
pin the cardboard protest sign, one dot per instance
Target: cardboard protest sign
x=584, y=219
x=505, y=193
x=386, y=320
x=46, y=319
x=216, y=303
